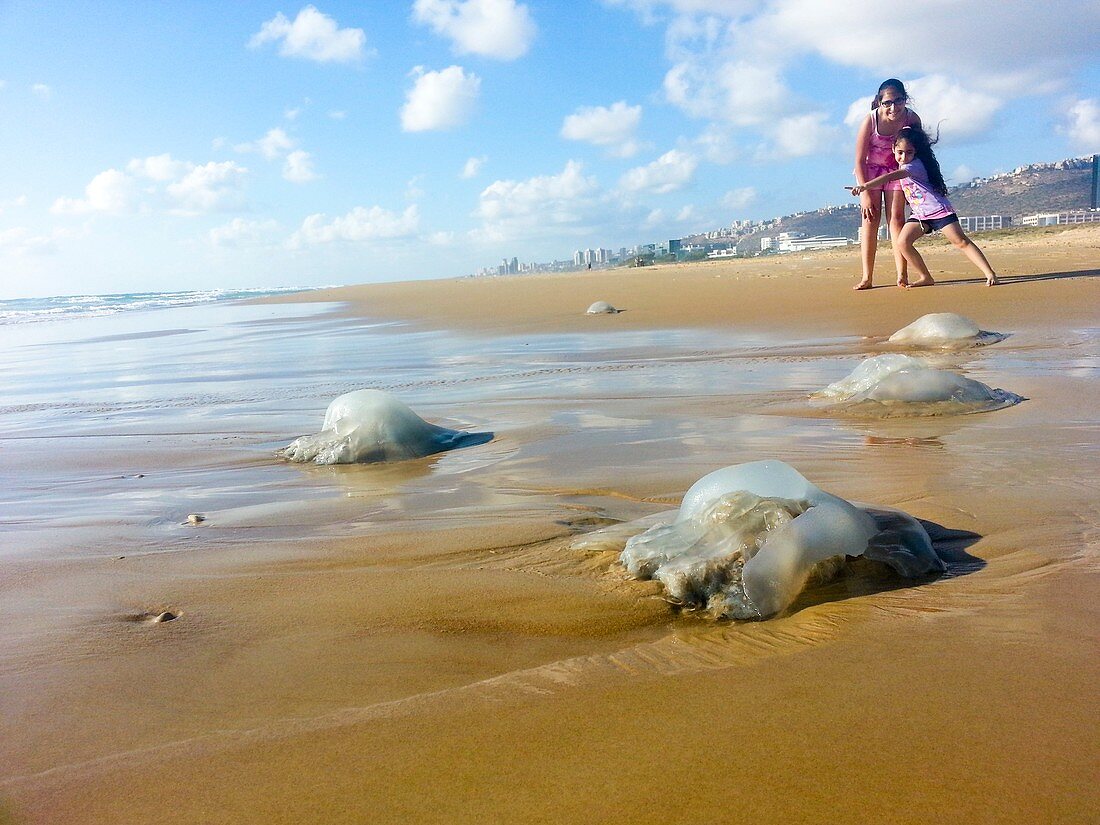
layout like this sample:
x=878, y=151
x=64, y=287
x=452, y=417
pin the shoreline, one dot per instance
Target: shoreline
x=744, y=293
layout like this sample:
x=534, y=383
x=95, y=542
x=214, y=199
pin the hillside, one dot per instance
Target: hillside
x=1039, y=187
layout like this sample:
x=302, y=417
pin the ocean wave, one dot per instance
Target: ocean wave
x=31, y=310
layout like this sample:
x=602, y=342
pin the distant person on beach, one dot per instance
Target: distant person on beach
x=875, y=157
x=926, y=193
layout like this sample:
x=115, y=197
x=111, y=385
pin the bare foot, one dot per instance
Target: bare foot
x=991, y=280
x=923, y=282
x=864, y=284
x=903, y=283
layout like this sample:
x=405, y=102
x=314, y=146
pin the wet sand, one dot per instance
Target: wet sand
x=427, y=647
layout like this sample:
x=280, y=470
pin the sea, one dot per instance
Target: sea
x=125, y=414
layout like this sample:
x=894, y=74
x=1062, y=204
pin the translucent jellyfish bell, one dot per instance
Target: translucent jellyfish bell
x=895, y=384
x=601, y=308
x=747, y=539
x=367, y=426
x=944, y=330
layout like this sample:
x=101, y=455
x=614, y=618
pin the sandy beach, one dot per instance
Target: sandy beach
x=423, y=642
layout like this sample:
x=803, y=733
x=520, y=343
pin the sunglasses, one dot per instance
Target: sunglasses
x=898, y=101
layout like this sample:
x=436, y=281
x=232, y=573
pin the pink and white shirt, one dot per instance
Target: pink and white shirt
x=925, y=202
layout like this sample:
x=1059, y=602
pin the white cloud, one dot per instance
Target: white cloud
x=414, y=190
x=337, y=114
x=800, y=136
x=298, y=167
x=732, y=62
x=271, y=146
x=42, y=91
x=360, y=224
x=312, y=36
x=159, y=167
x=499, y=29
x=22, y=241
x=244, y=233
x=439, y=100
x=965, y=113
x=717, y=145
x=111, y=191
x=441, y=238
x=673, y=170
x=1083, y=125
x=14, y=203
x=292, y=114
x=551, y=195
x=962, y=174
x=1003, y=44
x=186, y=187
x=210, y=187
x=858, y=110
x=610, y=126
x=739, y=198
x=472, y=167
x=687, y=213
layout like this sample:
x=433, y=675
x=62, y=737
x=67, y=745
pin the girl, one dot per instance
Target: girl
x=874, y=157
x=924, y=190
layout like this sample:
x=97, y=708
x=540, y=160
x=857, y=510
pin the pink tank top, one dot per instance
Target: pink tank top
x=880, y=148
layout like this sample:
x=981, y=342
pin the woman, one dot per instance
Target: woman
x=874, y=158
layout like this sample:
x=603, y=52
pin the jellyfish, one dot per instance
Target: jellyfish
x=900, y=384
x=748, y=538
x=945, y=330
x=367, y=426
x=602, y=308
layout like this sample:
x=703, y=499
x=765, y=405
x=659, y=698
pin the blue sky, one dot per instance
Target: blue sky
x=164, y=146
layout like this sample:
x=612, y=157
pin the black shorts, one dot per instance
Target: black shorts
x=933, y=224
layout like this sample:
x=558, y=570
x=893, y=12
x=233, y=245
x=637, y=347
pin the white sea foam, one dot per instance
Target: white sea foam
x=895, y=384
x=748, y=538
x=29, y=310
x=944, y=330
x=367, y=426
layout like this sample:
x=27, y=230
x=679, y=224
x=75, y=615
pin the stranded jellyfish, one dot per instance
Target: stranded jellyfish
x=367, y=426
x=895, y=384
x=944, y=330
x=748, y=538
x=601, y=308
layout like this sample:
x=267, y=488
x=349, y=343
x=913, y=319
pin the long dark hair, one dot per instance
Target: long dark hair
x=922, y=147
x=890, y=83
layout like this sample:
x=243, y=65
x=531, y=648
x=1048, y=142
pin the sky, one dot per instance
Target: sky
x=196, y=145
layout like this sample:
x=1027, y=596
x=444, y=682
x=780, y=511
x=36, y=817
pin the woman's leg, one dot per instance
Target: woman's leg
x=868, y=244
x=895, y=219
x=909, y=234
x=953, y=232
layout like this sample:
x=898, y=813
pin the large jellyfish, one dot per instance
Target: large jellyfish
x=748, y=538
x=601, y=308
x=367, y=426
x=894, y=384
x=944, y=330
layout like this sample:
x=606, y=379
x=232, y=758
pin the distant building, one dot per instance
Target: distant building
x=578, y=258
x=1054, y=218
x=767, y=243
x=729, y=252
x=883, y=232
x=985, y=223
x=816, y=242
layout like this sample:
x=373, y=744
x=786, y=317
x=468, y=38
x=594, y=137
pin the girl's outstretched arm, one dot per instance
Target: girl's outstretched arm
x=875, y=183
